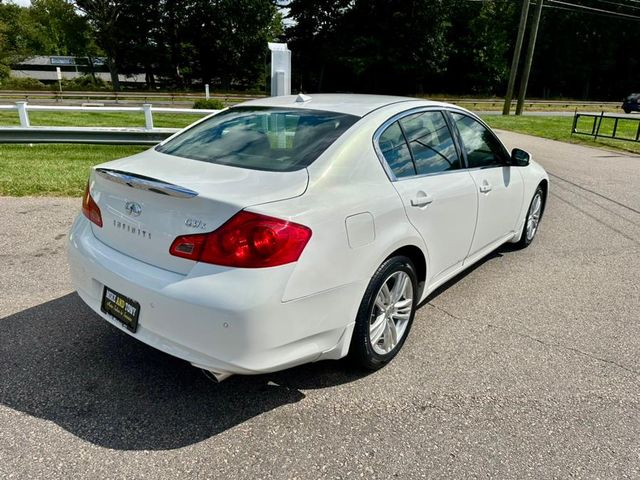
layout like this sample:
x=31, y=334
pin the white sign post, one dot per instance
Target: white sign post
x=59, y=75
x=206, y=91
x=280, y=69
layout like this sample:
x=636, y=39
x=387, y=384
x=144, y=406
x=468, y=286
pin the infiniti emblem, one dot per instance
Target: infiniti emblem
x=134, y=209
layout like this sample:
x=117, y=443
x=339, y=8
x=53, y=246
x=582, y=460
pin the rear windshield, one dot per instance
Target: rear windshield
x=274, y=139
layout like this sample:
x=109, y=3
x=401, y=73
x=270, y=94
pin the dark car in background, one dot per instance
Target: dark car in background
x=630, y=104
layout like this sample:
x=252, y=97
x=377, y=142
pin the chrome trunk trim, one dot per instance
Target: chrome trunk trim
x=145, y=183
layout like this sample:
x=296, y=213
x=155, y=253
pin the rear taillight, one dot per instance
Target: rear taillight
x=247, y=240
x=90, y=208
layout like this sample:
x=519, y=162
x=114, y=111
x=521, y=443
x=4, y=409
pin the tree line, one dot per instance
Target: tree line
x=460, y=47
x=379, y=46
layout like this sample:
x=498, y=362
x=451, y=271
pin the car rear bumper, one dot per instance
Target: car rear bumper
x=221, y=319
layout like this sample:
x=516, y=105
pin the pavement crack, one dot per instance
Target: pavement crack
x=444, y=311
x=598, y=220
x=565, y=347
x=581, y=187
x=545, y=343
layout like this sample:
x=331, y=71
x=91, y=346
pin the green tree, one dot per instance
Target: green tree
x=13, y=41
x=313, y=35
x=219, y=40
x=480, y=36
x=597, y=60
x=230, y=39
x=112, y=21
x=397, y=46
x=370, y=45
x=55, y=28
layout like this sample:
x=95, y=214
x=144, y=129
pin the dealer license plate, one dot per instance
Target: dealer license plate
x=122, y=308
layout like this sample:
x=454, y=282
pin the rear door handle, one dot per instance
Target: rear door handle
x=421, y=200
x=485, y=187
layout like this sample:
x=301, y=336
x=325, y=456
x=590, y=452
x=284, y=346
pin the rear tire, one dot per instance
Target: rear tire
x=385, y=315
x=532, y=220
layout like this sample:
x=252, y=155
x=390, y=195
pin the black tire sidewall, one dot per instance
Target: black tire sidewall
x=361, y=350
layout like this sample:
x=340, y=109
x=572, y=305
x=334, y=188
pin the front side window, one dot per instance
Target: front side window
x=482, y=148
x=259, y=138
x=430, y=142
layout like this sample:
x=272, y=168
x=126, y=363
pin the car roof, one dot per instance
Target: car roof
x=347, y=103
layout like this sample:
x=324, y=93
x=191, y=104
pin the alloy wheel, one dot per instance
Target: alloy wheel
x=534, y=216
x=391, y=312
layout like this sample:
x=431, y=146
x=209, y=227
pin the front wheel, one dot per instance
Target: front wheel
x=532, y=221
x=385, y=314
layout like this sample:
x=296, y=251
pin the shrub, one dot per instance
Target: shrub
x=21, y=83
x=84, y=83
x=211, y=104
x=5, y=71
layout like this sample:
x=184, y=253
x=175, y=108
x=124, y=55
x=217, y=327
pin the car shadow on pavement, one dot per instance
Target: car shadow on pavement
x=59, y=361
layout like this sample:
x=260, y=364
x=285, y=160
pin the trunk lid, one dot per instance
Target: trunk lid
x=149, y=199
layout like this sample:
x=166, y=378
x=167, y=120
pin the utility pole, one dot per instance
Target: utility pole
x=533, y=35
x=516, y=57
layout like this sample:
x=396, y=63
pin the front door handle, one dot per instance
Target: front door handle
x=485, y=187
x=421, y=200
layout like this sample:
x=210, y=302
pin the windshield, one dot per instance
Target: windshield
x=274, y=139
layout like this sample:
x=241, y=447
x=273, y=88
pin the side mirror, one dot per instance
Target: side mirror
x=520, y=158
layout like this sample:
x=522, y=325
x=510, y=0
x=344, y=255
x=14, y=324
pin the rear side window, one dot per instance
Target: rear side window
x=482, y=147
x=259, y=138
x=431, y=142
x=419, y=144
x=395, y=150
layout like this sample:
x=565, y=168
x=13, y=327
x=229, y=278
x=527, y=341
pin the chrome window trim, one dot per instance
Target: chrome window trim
x=398, y=116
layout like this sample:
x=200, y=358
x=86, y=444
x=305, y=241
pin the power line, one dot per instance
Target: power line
x=565, y=9
x=624, y=5
x=577, y=6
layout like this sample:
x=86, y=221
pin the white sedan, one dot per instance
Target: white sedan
x=292, y=229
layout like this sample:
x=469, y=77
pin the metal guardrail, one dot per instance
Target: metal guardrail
x=596, y=130
x=26, y=133
x=158, y=98
x=12, y=94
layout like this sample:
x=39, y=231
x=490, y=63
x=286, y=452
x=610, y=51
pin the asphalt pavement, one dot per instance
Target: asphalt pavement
x=526, y=366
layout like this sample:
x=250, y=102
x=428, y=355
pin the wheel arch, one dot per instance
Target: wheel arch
x=419, y=260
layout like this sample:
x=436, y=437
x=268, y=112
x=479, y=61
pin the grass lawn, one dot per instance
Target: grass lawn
x=559, y=128
x=537, y=107
x=56, y=170
x=62, y=170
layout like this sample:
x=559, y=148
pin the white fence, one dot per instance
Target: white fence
x=26, y=133
x=23, y=109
